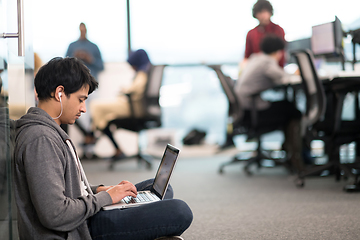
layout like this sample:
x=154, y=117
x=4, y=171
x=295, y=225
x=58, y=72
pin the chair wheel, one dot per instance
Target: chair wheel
x=248, y=172
x=299, y=182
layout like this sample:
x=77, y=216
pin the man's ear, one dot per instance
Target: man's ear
x=59, y=93
x=278, y=54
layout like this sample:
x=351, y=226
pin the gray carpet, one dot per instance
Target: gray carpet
x=234, y=206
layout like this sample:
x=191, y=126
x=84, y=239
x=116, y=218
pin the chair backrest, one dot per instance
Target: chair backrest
x=235, y=110
x=314, y=91
x=152, y=92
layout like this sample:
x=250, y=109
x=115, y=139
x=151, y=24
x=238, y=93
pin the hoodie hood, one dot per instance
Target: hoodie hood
x=37, y=116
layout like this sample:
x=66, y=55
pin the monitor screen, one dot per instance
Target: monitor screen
x=166, y=167
x=323, y=39
x=327, y=39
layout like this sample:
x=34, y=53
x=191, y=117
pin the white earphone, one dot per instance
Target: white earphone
x=61, y=106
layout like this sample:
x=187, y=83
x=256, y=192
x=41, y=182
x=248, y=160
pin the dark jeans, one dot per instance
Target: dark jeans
x=279, y=113
x=285, y=115
x=169, y=217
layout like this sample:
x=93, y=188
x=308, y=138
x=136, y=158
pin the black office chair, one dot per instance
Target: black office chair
x=321, y=121
x=249, y=126
x=152, y=113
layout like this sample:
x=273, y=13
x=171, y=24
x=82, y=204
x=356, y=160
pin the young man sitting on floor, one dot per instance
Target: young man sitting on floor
x=53, y=197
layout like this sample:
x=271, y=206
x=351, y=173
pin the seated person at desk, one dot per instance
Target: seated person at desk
x=54, y=199
x=105, y=111
x=263, y=72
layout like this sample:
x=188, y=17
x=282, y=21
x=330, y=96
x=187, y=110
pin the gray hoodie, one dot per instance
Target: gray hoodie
x=262, y=72
x=48, y=190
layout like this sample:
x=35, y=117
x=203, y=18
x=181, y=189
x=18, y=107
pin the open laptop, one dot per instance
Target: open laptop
x=160, y=185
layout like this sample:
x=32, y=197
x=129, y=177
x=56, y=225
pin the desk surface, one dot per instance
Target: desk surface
x=346, y=76
x=343, y=74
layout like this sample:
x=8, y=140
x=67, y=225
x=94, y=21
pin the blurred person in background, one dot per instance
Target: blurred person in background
x=262, y=72
x=86, y=51
x=89, y=53
x=104, y=111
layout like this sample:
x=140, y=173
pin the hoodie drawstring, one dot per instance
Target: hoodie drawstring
x=86, y=189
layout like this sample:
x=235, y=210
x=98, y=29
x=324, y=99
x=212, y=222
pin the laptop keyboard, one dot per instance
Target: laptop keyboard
x=141, y=197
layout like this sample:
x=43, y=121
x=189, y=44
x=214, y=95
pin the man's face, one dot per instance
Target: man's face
x=264, y=17
x=74, y=105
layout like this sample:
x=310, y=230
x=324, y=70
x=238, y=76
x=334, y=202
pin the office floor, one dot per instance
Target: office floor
x=234, y=206
x=230, y=206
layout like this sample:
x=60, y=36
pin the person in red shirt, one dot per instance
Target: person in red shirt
x=262, y=11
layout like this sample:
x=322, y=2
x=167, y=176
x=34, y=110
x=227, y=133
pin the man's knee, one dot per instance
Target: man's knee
x=180, y=211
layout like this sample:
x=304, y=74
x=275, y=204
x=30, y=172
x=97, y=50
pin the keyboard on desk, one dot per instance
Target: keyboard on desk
x=141, y=197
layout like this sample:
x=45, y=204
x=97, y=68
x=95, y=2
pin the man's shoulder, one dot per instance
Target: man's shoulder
x=83, y=43
x=276, y=25
x=72, y=44
x=34, y=133
x=260, y=57
x=92, y=44
x=258, y=63
x=252, y=31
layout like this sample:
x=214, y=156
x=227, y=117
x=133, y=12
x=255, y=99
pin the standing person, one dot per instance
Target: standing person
x=54, y=199
x=89, y=53
x=262, y=72
x=262, y=11
x=86, y=51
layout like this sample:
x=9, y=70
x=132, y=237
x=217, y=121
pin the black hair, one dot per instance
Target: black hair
x=271, y=43
x=68, y=72
x=262, y=5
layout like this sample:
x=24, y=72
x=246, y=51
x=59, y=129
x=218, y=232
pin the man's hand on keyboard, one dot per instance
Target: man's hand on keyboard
x=123, y=189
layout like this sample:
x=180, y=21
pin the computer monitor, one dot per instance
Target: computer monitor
x=327, y=40
x=291, y=46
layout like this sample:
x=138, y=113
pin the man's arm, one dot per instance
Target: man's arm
x=44, y=165
x=91, y=56
x=277, y=74
x=98, y=62
x=70, y=51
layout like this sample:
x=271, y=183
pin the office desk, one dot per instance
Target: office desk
x=339, y=84
x=342, y=85
x=337, y=130
x=336, y=88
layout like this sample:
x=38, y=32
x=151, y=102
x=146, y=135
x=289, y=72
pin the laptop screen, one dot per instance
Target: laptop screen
x=165, y=169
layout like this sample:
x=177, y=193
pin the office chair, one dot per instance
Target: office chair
x=248, y=126
x=152, y=113
x=320, y=121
